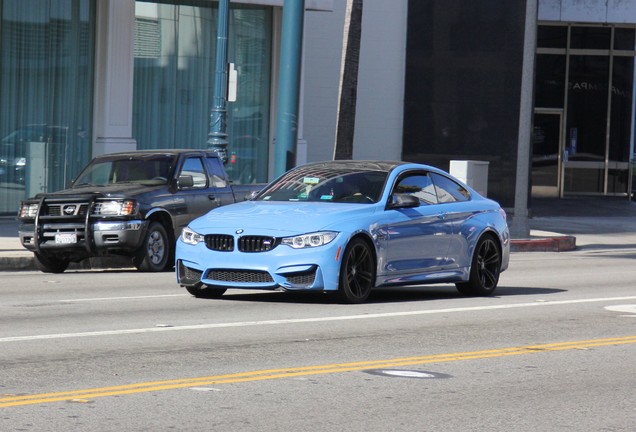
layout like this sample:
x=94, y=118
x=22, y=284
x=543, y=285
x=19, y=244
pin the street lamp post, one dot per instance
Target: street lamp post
x=217, y=135
x=289, y=85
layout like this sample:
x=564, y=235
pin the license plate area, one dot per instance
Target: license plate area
x=66, y=238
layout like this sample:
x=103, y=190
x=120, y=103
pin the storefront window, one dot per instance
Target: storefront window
x=550, y=81
x=590, y=38
x=586, y=124
x=552, y=37
x=595, y=147
x=174, y=80
x=46, y=87
x=624, y=39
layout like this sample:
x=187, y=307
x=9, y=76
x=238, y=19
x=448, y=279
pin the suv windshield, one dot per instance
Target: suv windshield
x=146, y=171
x=327, y=184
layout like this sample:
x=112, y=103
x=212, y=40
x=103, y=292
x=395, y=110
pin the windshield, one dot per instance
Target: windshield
x=145, y=171
x=326, y=184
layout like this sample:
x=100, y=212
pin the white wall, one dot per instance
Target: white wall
x=589, y=11
x=380, y=104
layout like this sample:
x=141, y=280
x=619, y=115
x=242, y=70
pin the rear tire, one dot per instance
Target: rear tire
x=154, y=254
x=206, y=292
x=357, y=272
x=484, y=270
x=50, y=264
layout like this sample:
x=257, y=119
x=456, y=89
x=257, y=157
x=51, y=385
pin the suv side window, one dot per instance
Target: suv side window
x=194, y=167
x=216, y=172
x=448, y=190
x=419, y=185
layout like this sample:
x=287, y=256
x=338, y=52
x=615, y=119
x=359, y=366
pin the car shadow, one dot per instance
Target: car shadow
x=380, y=295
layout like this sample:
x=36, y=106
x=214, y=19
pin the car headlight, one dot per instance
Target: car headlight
x=310, y=240
x=191, y=237
x=28, y=210
x=115, y=208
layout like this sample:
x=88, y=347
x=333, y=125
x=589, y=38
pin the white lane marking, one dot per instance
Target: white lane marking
x=307, y=320
x=630, y=309
x=122, y=298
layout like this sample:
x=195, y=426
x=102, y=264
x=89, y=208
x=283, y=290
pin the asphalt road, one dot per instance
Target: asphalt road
x=103, y=351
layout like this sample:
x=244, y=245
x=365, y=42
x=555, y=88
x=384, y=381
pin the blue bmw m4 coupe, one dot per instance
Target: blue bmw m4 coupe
x=346, y=227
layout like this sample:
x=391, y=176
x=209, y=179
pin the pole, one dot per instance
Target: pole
x=217, y=135
x=289, y=86
x=519, y=227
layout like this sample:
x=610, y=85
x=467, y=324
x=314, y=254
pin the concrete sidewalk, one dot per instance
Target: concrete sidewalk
x=556, y=226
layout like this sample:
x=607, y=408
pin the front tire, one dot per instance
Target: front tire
x=484, y=270
x=357, y=272
x=50, y=264
x=153, y=256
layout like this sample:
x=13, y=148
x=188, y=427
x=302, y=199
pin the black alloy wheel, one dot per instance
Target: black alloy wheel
x=357, y=272
x=485, y=269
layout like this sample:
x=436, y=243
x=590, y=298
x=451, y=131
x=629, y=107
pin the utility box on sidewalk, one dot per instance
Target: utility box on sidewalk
x=473, y=173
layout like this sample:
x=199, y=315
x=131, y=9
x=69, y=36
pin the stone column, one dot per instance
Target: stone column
x=114, y=61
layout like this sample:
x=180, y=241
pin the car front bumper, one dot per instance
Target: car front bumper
x=111, y=235
x=315, y=269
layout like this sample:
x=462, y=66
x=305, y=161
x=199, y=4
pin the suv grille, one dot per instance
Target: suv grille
x=65, y=210
x=63, y=222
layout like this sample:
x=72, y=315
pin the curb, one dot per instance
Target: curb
x=544, y=244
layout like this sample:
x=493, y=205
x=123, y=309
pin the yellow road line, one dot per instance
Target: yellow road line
x=87, y=394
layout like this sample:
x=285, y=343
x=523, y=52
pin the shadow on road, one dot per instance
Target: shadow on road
x=380, y=295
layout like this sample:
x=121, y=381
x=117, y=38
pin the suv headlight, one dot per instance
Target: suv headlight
x=191, y=237
x=28, y=210
x=310, y=240
x=115, y=208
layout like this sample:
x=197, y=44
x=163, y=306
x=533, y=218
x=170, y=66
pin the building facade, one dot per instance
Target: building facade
x=438, y=81
x=443, y=80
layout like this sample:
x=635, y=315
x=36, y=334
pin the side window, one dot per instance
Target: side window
x=216, y=172
x=419, y=185
x=194, y=167
x=448, y=190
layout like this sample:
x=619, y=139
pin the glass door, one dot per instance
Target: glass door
x=547, y=151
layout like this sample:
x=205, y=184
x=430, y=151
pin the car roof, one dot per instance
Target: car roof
x=158, y=152
x=370, y=165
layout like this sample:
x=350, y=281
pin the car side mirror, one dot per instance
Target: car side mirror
x=400, y=200
x=185, y=181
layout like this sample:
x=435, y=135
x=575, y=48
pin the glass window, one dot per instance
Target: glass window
x=216, y=172
x=418, y=185
x=448, y=190
x=550, y=81
x=590, y=38
x=621, y=112
x=329, y=183
x=174, y=81
x=194, y=167
x=46, y=88
x=624, y=39
x=587, y=108
x=552, y=36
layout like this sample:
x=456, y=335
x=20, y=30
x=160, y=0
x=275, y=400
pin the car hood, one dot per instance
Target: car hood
x=119, y=190
x=275, y=218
